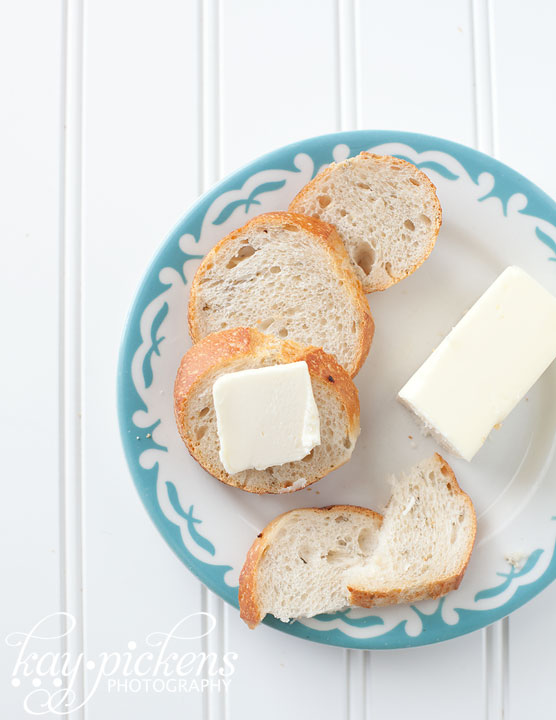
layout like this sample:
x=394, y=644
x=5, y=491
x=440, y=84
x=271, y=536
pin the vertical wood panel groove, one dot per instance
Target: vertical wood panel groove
x=358, y=100
x=492, y=78
x=337, y=60
x=71, y=341
x=200, y=100
x=61, y=312
x=496, y=665
x=358, y=684
x=356, y=663
x=496, y=647
x=482, y=67
x=367, y=680
x=347, y=671
x=347, y=62
x=215, y=707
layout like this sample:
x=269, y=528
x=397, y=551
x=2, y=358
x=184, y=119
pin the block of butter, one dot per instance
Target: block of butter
x=482, y=369
x=265, y=416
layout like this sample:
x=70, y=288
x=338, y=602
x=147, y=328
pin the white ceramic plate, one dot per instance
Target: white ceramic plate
x=492, y=218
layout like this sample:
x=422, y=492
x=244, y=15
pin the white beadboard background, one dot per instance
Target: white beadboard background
x=115, y=116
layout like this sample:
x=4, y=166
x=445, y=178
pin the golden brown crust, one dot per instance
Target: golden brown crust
x=298, y=201
x=230, y=346
x=222, y=346
x=327, y=237
x=432, y=590
x=249, y=607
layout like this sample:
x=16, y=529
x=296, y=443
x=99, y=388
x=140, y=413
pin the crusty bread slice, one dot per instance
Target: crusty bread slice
x=296, y=566
x=243, y=348
x=425, y=543
x=289, y=276
x=304, y=563
x=385, y=210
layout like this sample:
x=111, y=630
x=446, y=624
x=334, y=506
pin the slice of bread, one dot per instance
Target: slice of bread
x=289, y=276
x=385, y=210
x=228, y=351
x=425, y=542
x=304, y=563
x=296, y=566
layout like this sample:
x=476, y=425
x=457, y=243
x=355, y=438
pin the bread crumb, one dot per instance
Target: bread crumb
x=149, y=435
x=409, y=505
x=516, y=559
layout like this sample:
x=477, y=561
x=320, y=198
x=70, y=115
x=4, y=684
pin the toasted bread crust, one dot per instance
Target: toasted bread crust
x=298, y=201
x=226, y=348
x=326, y=236
x=249, y=607
x=432, y=590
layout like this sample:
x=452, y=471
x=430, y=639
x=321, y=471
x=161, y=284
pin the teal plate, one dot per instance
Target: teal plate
x=492, y=217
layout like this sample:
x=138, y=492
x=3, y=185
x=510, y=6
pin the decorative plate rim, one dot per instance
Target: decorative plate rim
x=539, y=205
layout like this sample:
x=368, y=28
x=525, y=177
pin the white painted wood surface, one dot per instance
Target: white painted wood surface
x=31, y=210
x=116, y=115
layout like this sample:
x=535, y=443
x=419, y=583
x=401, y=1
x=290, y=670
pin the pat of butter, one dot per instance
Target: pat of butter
x=487, y=363
x=266, y=416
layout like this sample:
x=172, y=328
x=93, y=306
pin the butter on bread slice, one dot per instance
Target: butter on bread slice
x=265, y=416
x=244, y=348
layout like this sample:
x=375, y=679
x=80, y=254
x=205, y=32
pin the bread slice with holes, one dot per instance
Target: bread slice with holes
x=297, y=565
x=425, y=541
x=308, y=561
x=244, y=348
x=385, y=210
x=289, y=276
